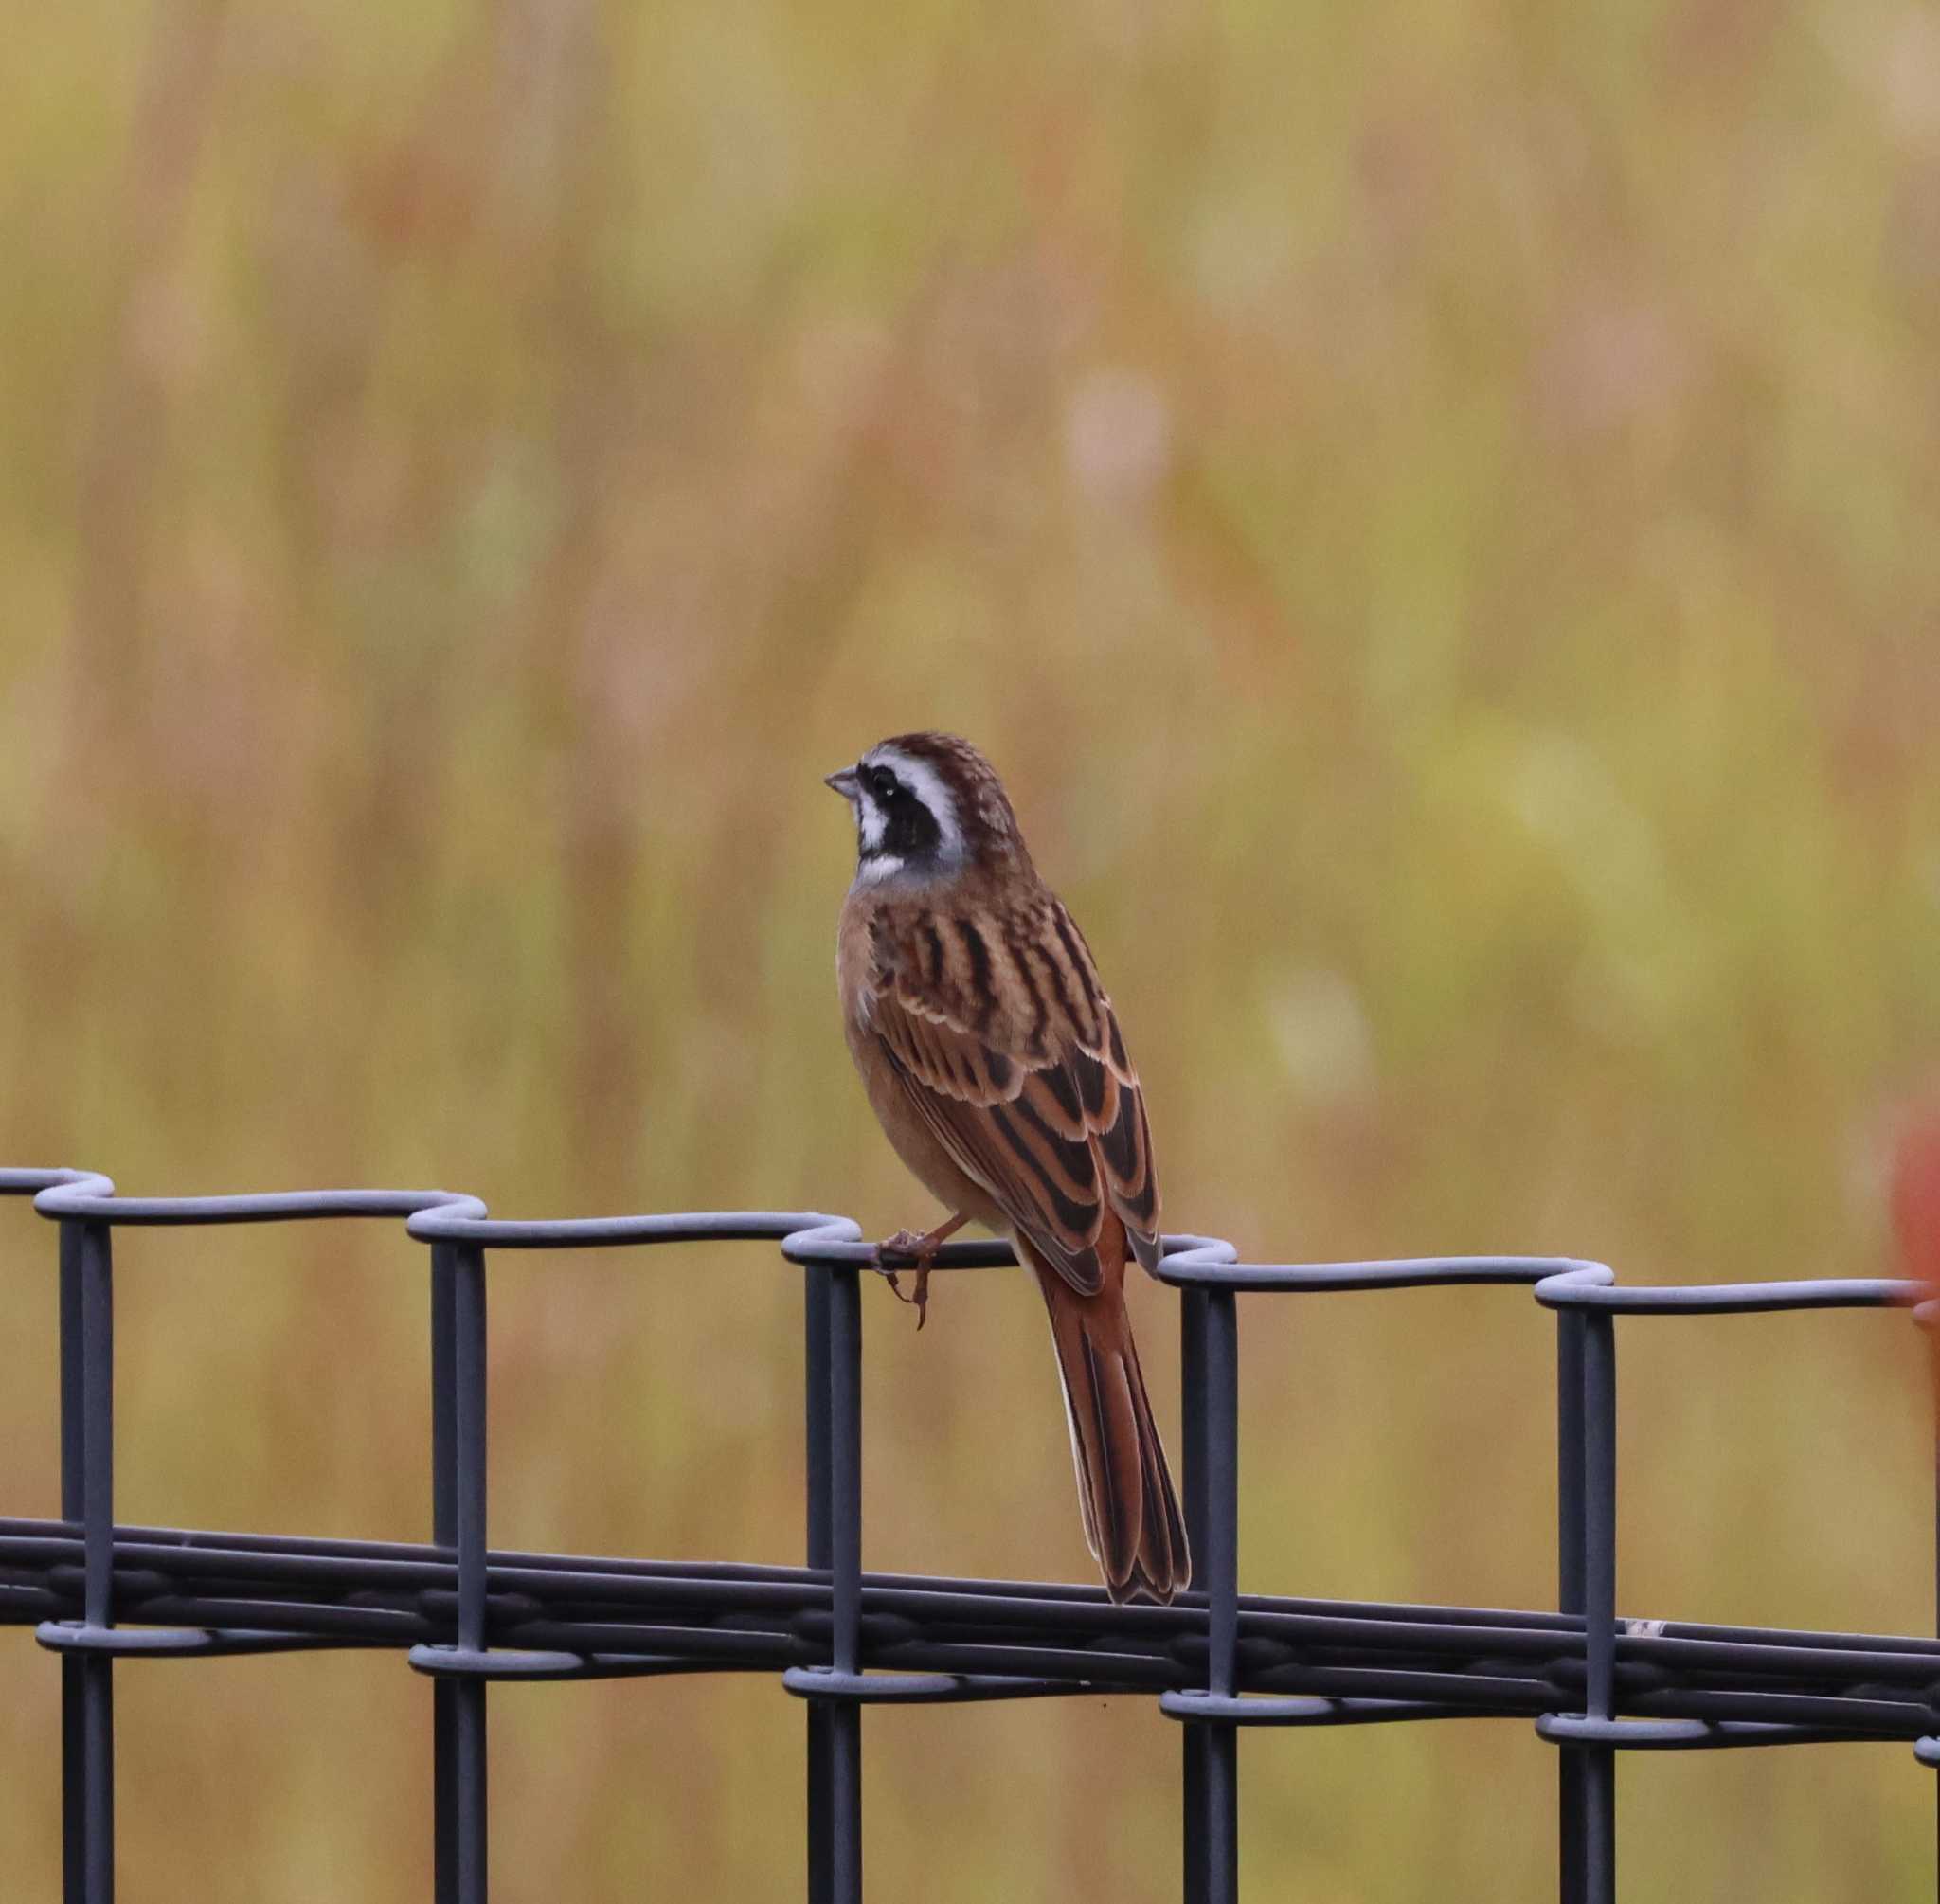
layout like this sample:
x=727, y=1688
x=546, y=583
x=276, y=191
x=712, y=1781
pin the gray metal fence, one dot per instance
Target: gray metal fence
x=840, y=1638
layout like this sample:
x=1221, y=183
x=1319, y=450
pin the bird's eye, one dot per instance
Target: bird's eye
x=884, y=786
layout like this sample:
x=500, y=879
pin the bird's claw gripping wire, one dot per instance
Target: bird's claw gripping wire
x=921, y=1248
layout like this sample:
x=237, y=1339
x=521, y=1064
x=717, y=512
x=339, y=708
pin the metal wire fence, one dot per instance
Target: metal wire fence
x=841, y=1639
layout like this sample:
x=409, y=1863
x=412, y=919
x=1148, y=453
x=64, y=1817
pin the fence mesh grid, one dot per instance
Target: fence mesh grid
x=840, y=1638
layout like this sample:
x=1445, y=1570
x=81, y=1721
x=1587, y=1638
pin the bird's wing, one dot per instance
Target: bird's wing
x=1009, y=1052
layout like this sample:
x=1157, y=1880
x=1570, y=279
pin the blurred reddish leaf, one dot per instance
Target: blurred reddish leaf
x=1916, y=1197
x=1916, y=1215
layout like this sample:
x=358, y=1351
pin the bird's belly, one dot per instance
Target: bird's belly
x=913, y=1141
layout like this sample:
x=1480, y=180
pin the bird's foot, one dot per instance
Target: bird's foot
x=922, y=1251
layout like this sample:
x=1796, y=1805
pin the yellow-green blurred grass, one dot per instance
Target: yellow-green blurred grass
x=1433, y=516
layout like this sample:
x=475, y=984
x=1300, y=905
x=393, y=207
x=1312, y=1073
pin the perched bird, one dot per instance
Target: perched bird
x=994, y=1060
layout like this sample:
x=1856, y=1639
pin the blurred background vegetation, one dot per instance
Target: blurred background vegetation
x=1431, y=509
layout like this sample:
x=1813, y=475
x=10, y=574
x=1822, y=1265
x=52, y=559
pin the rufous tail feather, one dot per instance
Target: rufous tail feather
x=1131, y=1515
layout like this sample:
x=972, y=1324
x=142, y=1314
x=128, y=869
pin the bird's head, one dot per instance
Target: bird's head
x=927, y=808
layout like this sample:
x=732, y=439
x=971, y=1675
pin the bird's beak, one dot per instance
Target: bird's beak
x=845, y=783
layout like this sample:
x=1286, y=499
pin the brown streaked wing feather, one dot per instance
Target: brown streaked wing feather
x=1009, y=1139
x=1114, y=1104
x=1046, y=1114
x=1115, y=1108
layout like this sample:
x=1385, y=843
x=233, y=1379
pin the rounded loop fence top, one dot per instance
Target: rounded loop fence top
x=448, y=1224
x=1204, y=1263
x=837, y=1244
x=832, y=1251
x=92, y=1198
x=1575, y=1290
x=23, y=1182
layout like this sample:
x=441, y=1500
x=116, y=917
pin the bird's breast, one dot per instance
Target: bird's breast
x=855, y=958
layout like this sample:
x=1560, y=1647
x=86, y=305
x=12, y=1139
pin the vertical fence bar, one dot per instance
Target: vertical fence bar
x=844, y=1821
x=1209, y=1848
x=73, y=1666
x=815, y=1375
x=1222, y=1592
x=468, y=1740
x=444, y=1533
x=89, y=1876
x=1599, y=1600
x=73, y=1436
x=1192, y=1369
x=1570, y=1458
x=815, y=1335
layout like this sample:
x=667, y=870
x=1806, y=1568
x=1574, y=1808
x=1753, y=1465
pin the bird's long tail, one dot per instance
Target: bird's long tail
x=1132, y=1522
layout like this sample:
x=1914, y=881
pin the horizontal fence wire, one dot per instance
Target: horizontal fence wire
x=839, y=1638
